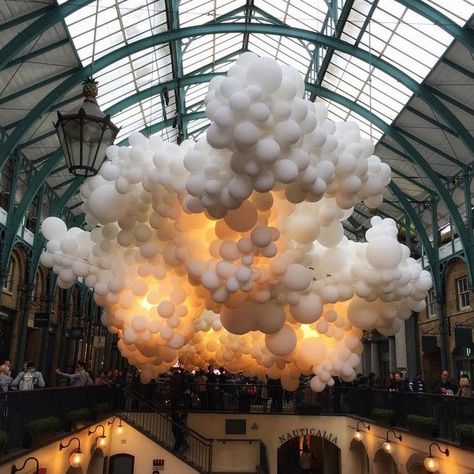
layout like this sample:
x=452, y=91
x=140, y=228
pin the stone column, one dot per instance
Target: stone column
x=401, y=347
x=392, y=354
x=375, y=359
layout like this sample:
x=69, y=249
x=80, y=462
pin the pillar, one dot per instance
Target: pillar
x=375, y=359
x=392, y=354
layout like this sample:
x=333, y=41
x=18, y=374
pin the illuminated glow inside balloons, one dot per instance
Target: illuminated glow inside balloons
x=231, y=250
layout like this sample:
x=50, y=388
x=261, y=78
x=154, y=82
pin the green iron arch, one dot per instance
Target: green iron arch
x=218, y=28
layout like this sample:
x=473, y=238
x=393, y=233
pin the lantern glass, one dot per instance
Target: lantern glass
x=119, y=429
x=76, y=459
x=84, y=136
x=101, y=441
x=387, y=447
x=431, y=464
x=358, y=435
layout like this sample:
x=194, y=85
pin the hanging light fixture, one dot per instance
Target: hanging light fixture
x=102, y=439
x=77, y=456
x=119, y=426
x=387, y=445
x=358, y=433
x=32, y=458
x=85, y=133
x=431, y=464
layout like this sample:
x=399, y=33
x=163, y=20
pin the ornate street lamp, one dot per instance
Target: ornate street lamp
x=86, y=133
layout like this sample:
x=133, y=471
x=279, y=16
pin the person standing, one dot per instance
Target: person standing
x=29, y=379
x=5, y=379
x=79, y=378
x=444, y=386
x=464, y=388
x=417, y=385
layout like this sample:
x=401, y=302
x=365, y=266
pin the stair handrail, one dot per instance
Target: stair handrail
x=154, y=408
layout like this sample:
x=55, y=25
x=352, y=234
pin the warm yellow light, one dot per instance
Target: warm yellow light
x=101, y=441
x=358, y=435
x=431, y=464
x=76, y=459
x=387, y=447
x=119, y=429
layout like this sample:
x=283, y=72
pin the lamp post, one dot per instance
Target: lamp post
x=85, y=134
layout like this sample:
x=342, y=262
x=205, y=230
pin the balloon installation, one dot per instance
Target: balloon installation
x=231, y=250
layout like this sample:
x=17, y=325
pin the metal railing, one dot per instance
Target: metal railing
x=146, y=416
x=448, y=411
x=18, y=408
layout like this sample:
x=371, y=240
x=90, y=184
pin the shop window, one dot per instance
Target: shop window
x=431, y=303
x=462, y=287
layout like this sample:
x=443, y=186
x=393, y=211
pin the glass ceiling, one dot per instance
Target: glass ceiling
x=386, y=29
x=389, y=30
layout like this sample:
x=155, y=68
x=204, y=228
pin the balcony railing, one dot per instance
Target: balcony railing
x=17, y=409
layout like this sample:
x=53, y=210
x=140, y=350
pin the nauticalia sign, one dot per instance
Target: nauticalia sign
x=307, y=431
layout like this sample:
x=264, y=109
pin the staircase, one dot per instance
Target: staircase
x=145, y=416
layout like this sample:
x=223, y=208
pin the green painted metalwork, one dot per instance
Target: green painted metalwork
x=465, y=235
x=463, y=35
x=431, y=147
x=172, y=19
x=407, y=157
x=449, y=99
x=429, y=119
x=458, y=67
x=217, y=28
x=38, y=27
x=33, y=54
x=26, y=17
x=27, y=90
x=341, y=22
x=249, y=4
x=411, y=180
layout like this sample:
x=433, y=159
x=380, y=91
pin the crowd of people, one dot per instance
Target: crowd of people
x=214, y=388
x=399, y=382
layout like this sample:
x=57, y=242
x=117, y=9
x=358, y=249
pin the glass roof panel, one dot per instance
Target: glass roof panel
x=394, y=33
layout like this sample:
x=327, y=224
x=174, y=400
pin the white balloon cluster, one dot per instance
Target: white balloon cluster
x=231, y=250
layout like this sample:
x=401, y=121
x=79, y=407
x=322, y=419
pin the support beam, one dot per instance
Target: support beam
x=341, y=22
x=172, y=20
x=430, y=120
x=463, y=35
x=218, y=28
x=37, y=52
x=26, y=17
x=38, y=27
x=38, y=85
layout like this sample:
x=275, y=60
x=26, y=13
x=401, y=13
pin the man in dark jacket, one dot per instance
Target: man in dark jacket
x=444, y=386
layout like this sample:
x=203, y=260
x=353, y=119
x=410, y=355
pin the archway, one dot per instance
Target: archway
x=384, y=463
x=415, y=464
x=359, y=458
x=96, y=464
x=325, y=456
x=121, y=463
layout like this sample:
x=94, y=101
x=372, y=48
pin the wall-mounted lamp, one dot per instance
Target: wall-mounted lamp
x=358, y=433
x=387, y=445
x=431, y=464
x=16, y=469
x=77, y=457
x=102, y=439
x=119, y=427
